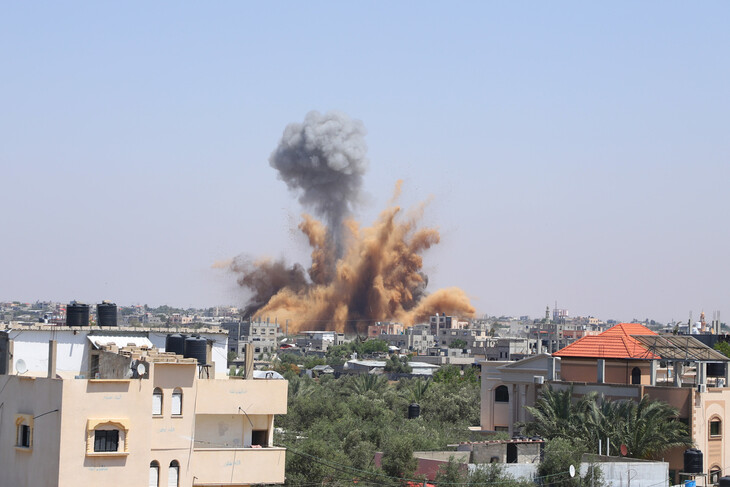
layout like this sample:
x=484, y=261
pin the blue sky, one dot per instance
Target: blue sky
x=575, y=152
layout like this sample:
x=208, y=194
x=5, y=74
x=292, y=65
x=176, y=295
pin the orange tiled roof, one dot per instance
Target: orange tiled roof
x=628, y=329
x=616, y=342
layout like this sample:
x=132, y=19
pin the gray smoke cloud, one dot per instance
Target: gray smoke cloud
x=323, y=160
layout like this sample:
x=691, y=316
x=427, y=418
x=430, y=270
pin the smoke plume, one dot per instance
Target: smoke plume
x=357, y=275
x=323, y=160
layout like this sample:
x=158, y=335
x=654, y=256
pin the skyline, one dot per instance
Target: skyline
x=575, y=154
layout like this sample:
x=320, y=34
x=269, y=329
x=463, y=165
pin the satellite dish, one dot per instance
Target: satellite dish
x=624, y=450
x=571, y=471
x=20, y=366
x=141, y=369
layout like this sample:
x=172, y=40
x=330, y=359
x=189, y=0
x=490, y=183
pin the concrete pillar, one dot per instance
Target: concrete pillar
x=522, y=402
x=678, y=374
x=601, y=372
x=552, y=373
x=248, y=362
x=727, y=374
x=52, y=353
x=652, y=372
x=701, y=372
x=512, y=401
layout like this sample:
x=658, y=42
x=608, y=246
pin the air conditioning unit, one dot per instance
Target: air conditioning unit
x=538, y=379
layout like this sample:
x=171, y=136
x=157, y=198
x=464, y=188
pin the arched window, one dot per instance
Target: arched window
x=154, y=474
x=501, y=394
x=177, y=402
x=173, y=475
x=715, y=472
x=157, y=401
x=636, y=375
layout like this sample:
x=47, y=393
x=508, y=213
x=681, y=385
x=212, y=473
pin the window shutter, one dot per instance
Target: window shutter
x=172, y=476
x=156, y=403
x=177, y=402
x=154, y=476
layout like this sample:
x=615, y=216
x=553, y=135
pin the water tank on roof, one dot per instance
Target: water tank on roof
x=175, y=343
x=77, y=314
x=197, y=348
x=693, y=461
x=414, y=411
x=106, y=314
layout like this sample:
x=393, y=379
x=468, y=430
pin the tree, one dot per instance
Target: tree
x=647, y=428
x=458, y=343
x=558, y=456
x=360, y=384
x=557, y=416
x=398, y=460
x=723, y=348
x=397, y=364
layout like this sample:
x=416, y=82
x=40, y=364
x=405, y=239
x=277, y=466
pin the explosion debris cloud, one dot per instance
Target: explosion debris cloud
x=357, y=276
x=323, y=159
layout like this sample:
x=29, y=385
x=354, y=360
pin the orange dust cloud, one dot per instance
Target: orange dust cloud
x=378, y=278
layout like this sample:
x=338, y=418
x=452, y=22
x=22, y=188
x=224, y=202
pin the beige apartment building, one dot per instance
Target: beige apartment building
x=130, y=413
x=626, y=361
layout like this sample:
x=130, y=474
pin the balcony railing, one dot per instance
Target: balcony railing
x=225, y=466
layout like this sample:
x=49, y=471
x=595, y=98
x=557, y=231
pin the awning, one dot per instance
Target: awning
x=120, y=341
x=680, y=348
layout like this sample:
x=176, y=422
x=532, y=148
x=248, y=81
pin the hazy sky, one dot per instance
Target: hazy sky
x=574, y=151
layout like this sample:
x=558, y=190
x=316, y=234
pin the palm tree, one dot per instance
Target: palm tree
x=416, y=389
x=367, y=382
x=556, y=415
x=649, y=428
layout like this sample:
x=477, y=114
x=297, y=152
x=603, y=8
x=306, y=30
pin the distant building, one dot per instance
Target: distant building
x=384, y=328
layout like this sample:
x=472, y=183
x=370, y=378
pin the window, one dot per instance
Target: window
x=173, y=474
x=715, y=428
x=154, y=474
x=715, y=472
x=157, y=401
x=636, y=375
x=24, y=431
x=106, y=440
x=106, y=437
x=501, y=394
x=177, y=402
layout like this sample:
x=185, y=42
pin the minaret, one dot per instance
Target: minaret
x=702, y=322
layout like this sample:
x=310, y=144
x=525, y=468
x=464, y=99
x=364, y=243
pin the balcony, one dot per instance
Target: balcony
x=256, y=396
x=238, y=466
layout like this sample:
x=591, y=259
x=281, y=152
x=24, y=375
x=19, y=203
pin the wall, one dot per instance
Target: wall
x=636, y=474
x=31, y=345
x=37, y=467
x=617, y=371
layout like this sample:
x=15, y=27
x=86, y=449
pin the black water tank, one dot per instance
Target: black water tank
x=175, y=343
x=106, y=314
x=693, y=461
x=724, y=481
x=414, y=411
x=77, y=314
x=715, y=369
x=196, y=347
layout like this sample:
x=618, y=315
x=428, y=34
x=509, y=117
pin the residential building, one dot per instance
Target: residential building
x=86, y=406
x=384, y=328
x=626, y=361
